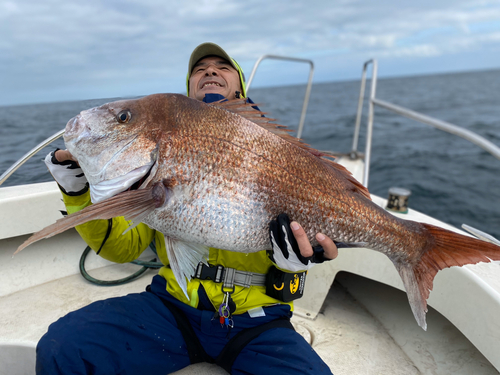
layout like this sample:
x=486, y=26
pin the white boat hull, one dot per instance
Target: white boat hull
x=43, y=283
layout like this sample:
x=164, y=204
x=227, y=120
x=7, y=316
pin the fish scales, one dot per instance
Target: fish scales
x=266, y=181
x=195, y=138
x=216, y=175
x=271, y=175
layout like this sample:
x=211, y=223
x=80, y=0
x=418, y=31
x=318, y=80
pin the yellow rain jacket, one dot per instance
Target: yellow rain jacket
x=123, y=248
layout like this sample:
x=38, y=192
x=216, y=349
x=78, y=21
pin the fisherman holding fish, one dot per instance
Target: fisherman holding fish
x=234, y=310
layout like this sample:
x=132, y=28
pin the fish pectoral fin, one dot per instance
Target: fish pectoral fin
x=132, y=204
x=184, y=257
x=417, y=301
x=137, y=218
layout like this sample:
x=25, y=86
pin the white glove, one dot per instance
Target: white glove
x=286, y=253
x=67, y=174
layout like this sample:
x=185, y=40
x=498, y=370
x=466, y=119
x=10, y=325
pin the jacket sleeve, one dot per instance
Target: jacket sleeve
x=105, y=237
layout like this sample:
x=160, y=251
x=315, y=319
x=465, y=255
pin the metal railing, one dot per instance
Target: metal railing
x=28, y=155
x=438, y=124
x=305, y=104
x=369, y=128
x=308, y=89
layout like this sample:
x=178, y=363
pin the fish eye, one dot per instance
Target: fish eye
x=124, y=116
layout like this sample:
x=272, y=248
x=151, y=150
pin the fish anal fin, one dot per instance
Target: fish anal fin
x=350, y=245
x=184, y=258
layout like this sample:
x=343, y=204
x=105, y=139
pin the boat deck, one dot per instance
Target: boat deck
x=358, y=326
x=364, y=327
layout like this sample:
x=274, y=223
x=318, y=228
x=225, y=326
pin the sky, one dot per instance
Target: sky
x=59, y=50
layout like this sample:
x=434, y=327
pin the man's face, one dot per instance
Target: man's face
x=213, y=75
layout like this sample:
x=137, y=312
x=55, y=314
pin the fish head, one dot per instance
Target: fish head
x=116, y=144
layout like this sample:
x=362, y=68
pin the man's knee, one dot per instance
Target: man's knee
x=59, y=351
x=53, y=351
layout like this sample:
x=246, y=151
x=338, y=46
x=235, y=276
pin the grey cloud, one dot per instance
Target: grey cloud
x=101, y=48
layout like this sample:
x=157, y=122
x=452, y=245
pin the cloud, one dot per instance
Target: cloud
x=113, y=48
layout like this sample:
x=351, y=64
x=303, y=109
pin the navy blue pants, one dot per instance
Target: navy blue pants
x=137, y=334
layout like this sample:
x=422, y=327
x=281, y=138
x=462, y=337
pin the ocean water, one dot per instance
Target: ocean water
x=450, y=178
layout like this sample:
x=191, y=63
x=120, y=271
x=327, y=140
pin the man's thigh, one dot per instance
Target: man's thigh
x=279, y=351
x=134, y=334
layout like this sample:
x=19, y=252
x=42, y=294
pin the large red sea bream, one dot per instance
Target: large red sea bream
x=215, y=175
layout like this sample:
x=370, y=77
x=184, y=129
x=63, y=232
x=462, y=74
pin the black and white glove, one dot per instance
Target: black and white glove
x=67, y=174
x=286, y=253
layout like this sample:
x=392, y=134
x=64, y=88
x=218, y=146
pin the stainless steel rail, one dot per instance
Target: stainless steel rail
x=28, y=155
x=438, y=124
x=369, y=129
x=52, y=138
x=442, y=125
x=481, y=235
x=308, y=89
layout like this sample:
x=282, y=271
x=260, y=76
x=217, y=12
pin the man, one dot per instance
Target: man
x=239, y=325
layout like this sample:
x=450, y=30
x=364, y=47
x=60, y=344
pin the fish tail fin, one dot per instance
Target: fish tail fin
x=132, y=204
x=445, y=249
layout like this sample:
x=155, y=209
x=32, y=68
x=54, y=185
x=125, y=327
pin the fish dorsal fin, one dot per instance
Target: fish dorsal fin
x=357, y=187
x=248, y=111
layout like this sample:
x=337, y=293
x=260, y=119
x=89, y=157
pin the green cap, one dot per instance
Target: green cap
x=212, y=49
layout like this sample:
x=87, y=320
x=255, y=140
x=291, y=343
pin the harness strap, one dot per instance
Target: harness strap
x=233, y=348
x=195, y=350
x=229, y=276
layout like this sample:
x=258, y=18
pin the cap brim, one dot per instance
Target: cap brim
x=208, y=49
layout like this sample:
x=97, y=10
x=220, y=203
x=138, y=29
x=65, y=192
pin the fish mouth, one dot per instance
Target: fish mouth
x=142, y=181
x=138, y=178
x=135, y=179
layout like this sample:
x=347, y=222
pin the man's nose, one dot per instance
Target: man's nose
x=211, y=71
